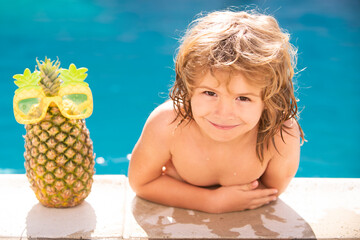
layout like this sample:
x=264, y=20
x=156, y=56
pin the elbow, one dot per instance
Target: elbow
x=135, y=179
x=134, y=184
x=136, y=188
x=140, y=188
x=280, y=190
x=279, y=185
x=282, y=187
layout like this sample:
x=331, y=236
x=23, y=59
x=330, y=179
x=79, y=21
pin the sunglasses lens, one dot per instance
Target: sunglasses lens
x=77, y=98
x=75, y=104
x=30, y=107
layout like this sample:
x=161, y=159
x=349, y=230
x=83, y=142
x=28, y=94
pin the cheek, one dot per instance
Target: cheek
x=254, y=113
x=258, y=113
x=198, y=106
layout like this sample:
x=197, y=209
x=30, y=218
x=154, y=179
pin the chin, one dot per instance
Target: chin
x=229, y=135
x=223, y=138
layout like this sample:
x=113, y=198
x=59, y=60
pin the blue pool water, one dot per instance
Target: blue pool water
x=128, y=47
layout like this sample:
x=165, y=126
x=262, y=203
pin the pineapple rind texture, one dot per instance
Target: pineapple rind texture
x=59, y=159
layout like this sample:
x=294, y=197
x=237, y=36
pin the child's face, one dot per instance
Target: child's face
x=228, y=110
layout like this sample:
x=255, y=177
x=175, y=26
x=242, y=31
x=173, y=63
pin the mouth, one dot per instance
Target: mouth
x=223, y=127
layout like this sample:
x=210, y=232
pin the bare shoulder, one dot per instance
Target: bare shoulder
x=159, y=127
x=287, y=140
x=164, y=110
x=162, y=118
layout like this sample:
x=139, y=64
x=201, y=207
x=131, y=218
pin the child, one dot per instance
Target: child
x=228, y=140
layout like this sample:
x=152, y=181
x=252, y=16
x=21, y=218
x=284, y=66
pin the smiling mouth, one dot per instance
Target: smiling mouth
x=223, y=127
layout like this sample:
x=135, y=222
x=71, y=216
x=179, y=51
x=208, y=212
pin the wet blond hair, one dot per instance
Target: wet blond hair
x=246, y=42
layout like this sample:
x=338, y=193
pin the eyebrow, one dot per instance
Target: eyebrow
x=238, y=94
x=251, y=94
x=203, y=86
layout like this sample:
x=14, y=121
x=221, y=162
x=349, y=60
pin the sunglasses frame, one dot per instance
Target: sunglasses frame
x=34, y=92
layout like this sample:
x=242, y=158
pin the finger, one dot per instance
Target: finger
x=257, y=206
x=253, y=185
x=170, y=170
x=260, y=193
x=247, y=187
x=264, y=200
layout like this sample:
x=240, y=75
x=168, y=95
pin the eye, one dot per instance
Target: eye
x=243, y=99
x=209, y=93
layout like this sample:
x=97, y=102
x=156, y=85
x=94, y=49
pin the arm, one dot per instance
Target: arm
x=150, y=154
x=146, y=178
x=283, y=164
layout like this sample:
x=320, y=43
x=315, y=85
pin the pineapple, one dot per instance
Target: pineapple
x=59, y=159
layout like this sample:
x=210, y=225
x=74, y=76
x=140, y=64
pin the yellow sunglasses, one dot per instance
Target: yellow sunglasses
x=31, y=104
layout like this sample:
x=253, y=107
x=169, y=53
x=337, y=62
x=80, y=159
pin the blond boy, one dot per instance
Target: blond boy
x=228, y=140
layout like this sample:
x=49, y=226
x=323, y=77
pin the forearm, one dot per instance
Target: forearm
x=169, y=191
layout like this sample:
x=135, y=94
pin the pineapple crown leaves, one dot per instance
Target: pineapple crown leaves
x=73, y=75
x=48, y=65
x=27, y=80
x=49, y=77
x=49, y=74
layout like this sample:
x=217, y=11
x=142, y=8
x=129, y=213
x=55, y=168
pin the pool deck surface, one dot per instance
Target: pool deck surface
x=311, y=208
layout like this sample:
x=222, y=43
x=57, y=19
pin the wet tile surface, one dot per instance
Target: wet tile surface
x=276, y=220
x=311, y=208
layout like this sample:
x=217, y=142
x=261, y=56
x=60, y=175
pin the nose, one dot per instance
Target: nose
x=225, y=109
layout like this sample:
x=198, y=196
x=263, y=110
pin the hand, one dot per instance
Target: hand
x=170, y=170
x=241, y=197
x=261, y=185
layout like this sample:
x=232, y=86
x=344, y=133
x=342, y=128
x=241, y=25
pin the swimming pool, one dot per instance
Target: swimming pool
x=128, y=47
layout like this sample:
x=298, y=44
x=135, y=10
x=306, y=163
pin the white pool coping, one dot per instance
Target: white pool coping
x=311, y=208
